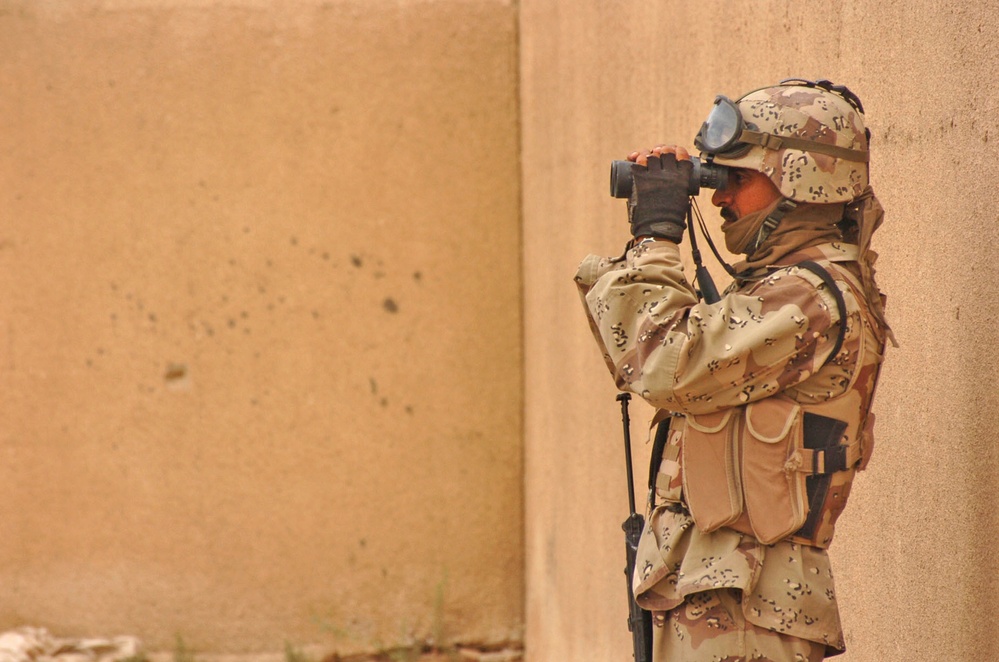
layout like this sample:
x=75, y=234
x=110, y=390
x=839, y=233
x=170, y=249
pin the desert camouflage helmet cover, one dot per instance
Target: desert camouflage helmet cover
x=813, y=114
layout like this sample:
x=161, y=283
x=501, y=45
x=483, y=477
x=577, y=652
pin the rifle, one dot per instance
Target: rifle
x=639, y=620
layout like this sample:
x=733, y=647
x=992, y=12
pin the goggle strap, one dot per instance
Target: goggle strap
x=770, y=141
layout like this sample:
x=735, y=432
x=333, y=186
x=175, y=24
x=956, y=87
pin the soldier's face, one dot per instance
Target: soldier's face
x=747, y=191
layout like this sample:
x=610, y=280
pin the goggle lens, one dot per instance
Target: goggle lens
x=722, y=129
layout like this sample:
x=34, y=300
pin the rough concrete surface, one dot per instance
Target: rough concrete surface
x=290, y=354
x=915, y=552
x=260, y=356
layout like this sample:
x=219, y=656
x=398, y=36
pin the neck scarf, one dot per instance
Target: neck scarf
x=861, y=218
x=806, y=225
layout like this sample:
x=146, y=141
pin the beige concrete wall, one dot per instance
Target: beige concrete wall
x=915, y=554
x=260, y=324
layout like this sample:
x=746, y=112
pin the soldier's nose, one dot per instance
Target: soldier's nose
x=719, y=198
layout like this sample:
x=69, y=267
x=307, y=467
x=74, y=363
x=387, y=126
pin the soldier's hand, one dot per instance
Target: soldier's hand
x=659, y=200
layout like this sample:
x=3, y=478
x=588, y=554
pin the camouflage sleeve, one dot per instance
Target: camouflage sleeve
x=677, y=353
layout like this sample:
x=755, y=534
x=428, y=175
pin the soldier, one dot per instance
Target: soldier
x=767, y=392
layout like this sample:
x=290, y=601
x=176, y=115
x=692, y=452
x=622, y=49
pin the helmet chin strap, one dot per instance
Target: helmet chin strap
x=770, y=224
x=708, y=290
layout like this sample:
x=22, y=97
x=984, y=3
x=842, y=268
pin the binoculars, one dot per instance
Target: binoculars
x=707, y=175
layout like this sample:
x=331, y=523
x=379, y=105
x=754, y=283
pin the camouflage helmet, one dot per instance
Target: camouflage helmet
x=808, y=137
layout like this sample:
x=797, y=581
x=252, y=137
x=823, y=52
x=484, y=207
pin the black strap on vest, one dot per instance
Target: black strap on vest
x=840, y=303
x=658, y=446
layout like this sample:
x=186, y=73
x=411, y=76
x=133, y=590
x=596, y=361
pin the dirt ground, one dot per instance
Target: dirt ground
x=456, y=655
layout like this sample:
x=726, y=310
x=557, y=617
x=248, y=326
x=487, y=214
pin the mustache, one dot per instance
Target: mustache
x=728, y=215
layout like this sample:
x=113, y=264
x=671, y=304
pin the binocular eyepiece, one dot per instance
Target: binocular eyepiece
x=707, y=175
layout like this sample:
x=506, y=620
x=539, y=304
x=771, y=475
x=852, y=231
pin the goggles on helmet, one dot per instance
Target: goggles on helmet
x=726, y=134
x=721, y=132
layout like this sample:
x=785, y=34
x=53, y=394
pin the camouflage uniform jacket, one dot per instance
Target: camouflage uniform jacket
x=767, y=339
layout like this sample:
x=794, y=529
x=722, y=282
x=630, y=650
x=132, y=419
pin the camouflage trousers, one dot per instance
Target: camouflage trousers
x=710, y=627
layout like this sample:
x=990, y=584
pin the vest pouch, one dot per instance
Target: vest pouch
x=711, y=483
x=776, y=494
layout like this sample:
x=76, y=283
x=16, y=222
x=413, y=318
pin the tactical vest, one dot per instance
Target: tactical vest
x=777, y=468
